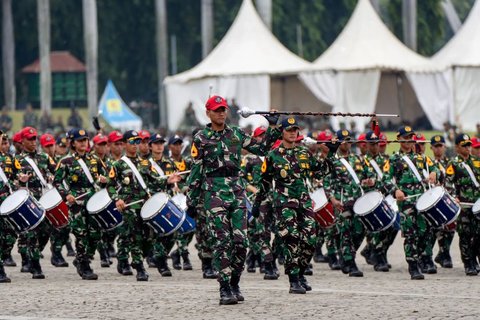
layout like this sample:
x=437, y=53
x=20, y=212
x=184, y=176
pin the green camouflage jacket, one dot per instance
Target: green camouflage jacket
x=217, y=157
x=381, y=160
x=252, y=169
x=45, y=164
x=168, y=167
x=458, y=182
x=180, y=166
x=7, y=167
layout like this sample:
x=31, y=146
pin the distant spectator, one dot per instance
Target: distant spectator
x=6, y=121
x=233, y=115
x=59, y=127
x=75, y=121
x=189, y=120
x=46, y=123
x=5, y=144
x=30, y=118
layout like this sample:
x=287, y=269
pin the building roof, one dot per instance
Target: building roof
x=60, y=61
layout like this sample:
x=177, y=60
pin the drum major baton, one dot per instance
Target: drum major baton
x=246, y=112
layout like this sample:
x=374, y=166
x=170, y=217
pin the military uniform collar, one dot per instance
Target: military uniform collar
x=210, y=132
x=30, y=154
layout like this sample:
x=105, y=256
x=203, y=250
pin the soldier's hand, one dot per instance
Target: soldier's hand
x=70, y=199
x=24, y=177
x=432, y=178
x=272, y=118
x=399, y=195
x=174, y=178
x=333, y=145
x=120, y=204
x=337, y=204
x=102, y=179
x=251, y=189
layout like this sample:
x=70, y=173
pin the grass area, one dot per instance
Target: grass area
x=392, y=147
x=17, y=117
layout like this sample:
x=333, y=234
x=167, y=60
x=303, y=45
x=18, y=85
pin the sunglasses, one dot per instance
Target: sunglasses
x=134, y=141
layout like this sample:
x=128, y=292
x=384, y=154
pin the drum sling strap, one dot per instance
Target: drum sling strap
x=135, y=172
x=85, y=169
x=156, y=167
x=412, y=167
x=37, y=171
x=350, y=170
x=4, y=179
x=376, y=168
x=470, y=173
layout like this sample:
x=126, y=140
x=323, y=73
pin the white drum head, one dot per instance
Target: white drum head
x=366, y=203
x=476, y=207
x=181, y=200
x=319, y=199
x=50, y=199
x=13, y=201
x=429, y=198
x=153, y=205
x=98, y=201
x=392, y=202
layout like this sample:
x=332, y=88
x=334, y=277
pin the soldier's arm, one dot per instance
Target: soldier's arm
x=195, y=178
x=450, y=179
x=320, y=167
x=59, y=177
x=266, y=181
x=114, y=182
x=388, y=176
x=261, y=147
x=155, y=182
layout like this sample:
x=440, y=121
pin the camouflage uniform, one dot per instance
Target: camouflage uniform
x=339, y=185
x=87, y=232
x=7, y=166
x=289, y=169
x=215, y=177
x=413, y=224
x=33, y=242
x=460, y=185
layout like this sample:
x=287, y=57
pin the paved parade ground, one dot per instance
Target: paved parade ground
x=449, y=294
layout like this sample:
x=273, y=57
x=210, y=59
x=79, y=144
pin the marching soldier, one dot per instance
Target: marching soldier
x=462, y=182
x=6, y=166
x=403, y=168
x=285, y=171
x=76, y=178
x=215, y=175
x=144, y=147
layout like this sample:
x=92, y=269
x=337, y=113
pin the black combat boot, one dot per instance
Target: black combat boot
x=470, y=269
x=70, y=251
x=354, y=271
x=123, y=267
x=447, y=260
x=163, y=268
x=333, y=262
x=175, y=255
x=104, y=258
x=58, y=261
x=251, y=263
x=187, y=265
x=309, y=270
x=427, y=265
x=367, y=254
x=381, y=263
x=295, y=286
x=87, y=272
x=414, y=270
x=142, y=275
x=151, y=261
x=3, y=275
x=36, y=270
x=25, y=263
x=235, y=288
x=226, y=295
x=8, y=261
x=207, y=269
x=318, y=257
x=303, y=281
x=111, y=251
x=269, y=272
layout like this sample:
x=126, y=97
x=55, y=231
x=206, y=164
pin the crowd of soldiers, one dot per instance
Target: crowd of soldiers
x=250, y=196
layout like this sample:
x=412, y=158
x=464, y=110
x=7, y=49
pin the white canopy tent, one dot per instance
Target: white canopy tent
x=366, y=56
x=249, y=64
x=462, y=57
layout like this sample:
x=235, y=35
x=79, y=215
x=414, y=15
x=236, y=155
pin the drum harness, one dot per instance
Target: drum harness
x=37, y=171
x=4, y=179
x=355, y=178
x=138, y=176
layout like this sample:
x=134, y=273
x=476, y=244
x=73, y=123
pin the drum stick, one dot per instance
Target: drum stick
x=82, y=195
x=467, y=204
x=177, y=172
x=414, y=196
x=134, y=202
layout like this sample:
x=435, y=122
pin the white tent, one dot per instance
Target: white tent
x=249, y=64
x=366, y=69
x=462, y=56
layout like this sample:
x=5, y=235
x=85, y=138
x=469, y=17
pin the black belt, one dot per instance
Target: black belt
x=223, y=173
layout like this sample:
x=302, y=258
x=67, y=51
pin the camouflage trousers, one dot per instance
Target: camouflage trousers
x=414, y=231
x=351, y=233
x=162, y=246
x=468, y=228
x=182, y=241
x=444, y=239
x=297, y=229
x=9, y=237
x=259, y=237
x=227, y=214
x=382, y=240
x=203, y=235
x=131, y=237
x=86, y=231
x=59, y=238
x=332, y=240
x=33, y=242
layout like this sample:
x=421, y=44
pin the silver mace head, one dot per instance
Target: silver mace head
x=245, y=112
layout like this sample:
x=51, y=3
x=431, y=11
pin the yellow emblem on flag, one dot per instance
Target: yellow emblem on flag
x=264, y=166
x=181, y=166
x=450, y=170
x=114, y=105
x=194, y=151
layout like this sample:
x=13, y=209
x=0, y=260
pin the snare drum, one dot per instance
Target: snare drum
x=393, y=204
x=102, y=209
x=438, y=207
x=56, y=209
x=22, y=211
x=374, y=211
x=162, y=214
x=476, y=209
x=189, y=223
x=323, y=209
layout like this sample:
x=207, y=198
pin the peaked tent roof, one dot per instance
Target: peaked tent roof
x=463, y=50
x=248, y=48
x=116, y=112
x=366, y=43
x=60, y=61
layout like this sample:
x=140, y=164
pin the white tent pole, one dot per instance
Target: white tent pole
x=409, y=12
x=207, y=27
x=162, y=58
x=400, y=98
x=451, y=14
x=8, y=55
x=43, y=16
x=90, y=36
x=264, y=8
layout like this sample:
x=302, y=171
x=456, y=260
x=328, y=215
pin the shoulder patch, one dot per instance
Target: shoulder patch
x=476, y=163
x=264, y=166
x=429, y=162
x=17, y=165
x=111, y=174
x=386, y=166
x=194, y=151
x=450, y=171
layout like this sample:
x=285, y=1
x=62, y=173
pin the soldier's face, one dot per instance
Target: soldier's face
x=464, y=151
x=50, y=150
x=290, y=134
x=29, y=145
x=143, y=147
x=60, y=150
x=217, y=116
x=438, y=150
x=373, y=148
x=175, y=149
x=345, y=147
x=5, y=145
x=363, y=148
x=406, y=146
x=158, y=147
x=101, y=149
x=475, y=152
x=81, y=145
x=116, y=147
